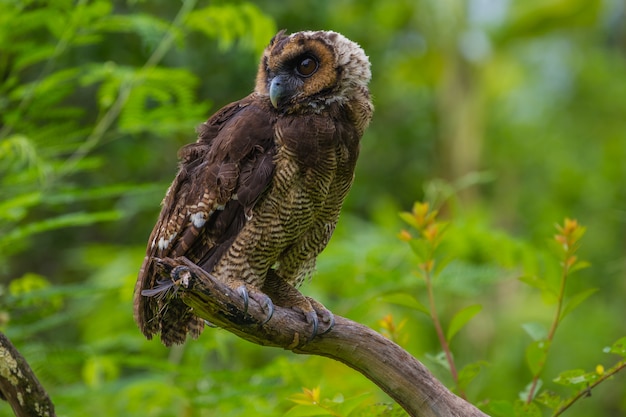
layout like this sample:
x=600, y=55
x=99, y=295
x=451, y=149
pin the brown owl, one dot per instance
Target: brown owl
x=257, y=196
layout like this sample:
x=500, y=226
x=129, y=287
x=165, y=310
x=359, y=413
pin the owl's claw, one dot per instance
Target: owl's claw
x=311, y=318
x=263, y=300
x=319, y=317
x=243, y=293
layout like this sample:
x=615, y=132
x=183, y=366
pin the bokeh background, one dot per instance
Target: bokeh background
x=507, y=115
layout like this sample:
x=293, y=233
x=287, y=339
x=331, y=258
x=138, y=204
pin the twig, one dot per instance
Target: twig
x=587, y=391
x=394, y=370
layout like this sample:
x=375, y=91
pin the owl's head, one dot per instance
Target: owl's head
x=312, y=70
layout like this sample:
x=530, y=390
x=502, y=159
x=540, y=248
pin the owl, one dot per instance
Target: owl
x=257, y=196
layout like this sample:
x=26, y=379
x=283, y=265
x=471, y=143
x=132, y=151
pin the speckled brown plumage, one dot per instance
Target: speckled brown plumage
x=258, y=195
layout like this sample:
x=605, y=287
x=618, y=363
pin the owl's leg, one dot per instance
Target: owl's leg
x=286, y=295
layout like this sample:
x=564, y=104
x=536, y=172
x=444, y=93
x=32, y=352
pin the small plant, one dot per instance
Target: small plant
x=430, y=233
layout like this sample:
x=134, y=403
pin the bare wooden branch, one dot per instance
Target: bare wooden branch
x=19, y=385
x=394, y=370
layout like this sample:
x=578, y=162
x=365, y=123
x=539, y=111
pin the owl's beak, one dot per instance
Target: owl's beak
x=277, y=90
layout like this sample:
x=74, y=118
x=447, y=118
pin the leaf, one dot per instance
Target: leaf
x=578, y=266
x=405, y=300
x=14, y=209
x=575, y=378
x=619, y=347
x=549, y=399
x=421, y=248
x=536, y=331
x=526, y=410
x=534, y=281
x=576, y=300
x=66, y=220
x=468, y=373
x=461, y=318
x=501, y=408
x=536, y=354
x=409, y=218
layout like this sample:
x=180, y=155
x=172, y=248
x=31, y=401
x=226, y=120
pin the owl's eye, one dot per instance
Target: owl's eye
x=307, y=67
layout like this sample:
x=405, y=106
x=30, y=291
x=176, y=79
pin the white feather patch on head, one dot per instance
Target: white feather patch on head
x=348, y=54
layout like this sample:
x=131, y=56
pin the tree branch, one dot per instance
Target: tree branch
x=19, y=385
x=394, y=370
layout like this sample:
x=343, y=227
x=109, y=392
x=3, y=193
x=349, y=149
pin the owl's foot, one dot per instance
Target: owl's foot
x=263, y=300
x=318, y=317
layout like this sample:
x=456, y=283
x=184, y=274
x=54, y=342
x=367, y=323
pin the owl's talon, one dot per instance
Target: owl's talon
x=266, y=304
x=324, y=319
x=262, y=299
x=243, y=292
x=311, y=318
x=331, y=322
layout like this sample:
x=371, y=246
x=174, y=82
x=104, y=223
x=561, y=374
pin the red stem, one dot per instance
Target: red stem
x=440, y=335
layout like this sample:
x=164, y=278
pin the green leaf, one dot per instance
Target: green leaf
x=578, y=266
x=576, y=300
x=526, y=410
x=468, y=373
x=536, y=331
x=421, y=248
x=14, y=209
x=536, y=354
x=409, y=218
x=66, y=220
x=461, y=318
x=575, y=378
x=548, y=291
x=549, y=399
x=534, y=281
x=501, y=408
x=245, y=23
x=619, y=347
x=405, y=300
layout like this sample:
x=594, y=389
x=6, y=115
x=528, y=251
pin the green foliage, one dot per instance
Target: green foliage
x=504, y=117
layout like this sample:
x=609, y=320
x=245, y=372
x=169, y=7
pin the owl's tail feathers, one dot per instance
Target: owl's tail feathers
x=162, y=312
x=178, y=321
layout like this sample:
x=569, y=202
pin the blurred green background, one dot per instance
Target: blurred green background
x=509, y=115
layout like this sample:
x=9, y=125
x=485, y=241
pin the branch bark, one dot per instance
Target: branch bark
x=394, y=370
x=19, y=385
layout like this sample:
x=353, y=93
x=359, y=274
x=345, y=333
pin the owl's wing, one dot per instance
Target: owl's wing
x=220, y=178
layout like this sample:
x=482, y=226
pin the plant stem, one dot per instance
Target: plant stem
x=553, y=327
x=440, y=335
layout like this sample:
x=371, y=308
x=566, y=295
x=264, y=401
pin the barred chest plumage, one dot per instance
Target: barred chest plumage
x=294, y=220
